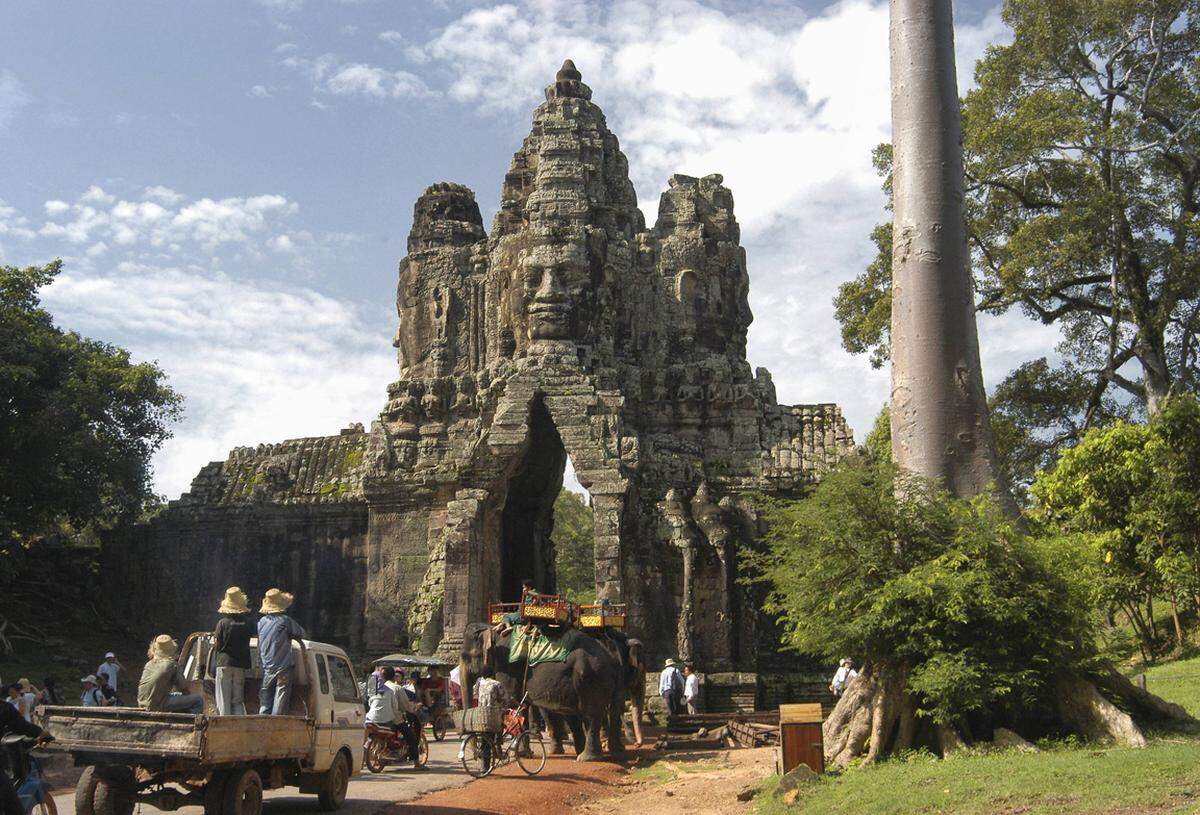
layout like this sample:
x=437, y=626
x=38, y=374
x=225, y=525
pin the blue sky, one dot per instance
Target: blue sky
x=231, y=183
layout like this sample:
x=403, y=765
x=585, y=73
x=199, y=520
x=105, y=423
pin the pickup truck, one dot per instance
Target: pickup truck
x=223, y=763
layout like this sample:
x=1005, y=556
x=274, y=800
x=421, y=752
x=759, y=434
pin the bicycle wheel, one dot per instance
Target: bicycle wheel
x=46, y=807
x=531, y=753
x=422, y=750
x=439, y=727
x=478, y=755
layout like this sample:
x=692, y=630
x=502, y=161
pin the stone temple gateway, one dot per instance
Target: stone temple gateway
x=570, y=329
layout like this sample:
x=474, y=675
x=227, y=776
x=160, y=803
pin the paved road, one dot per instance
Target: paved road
x=368, y=793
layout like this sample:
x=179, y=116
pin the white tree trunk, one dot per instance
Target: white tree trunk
x=940, y=426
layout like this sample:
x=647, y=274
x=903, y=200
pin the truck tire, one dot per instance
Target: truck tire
x=85, y=791
x=214, y=793
x=111, y=799
x=243, y=793
x=336, y=782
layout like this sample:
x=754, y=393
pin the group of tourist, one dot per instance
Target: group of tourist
x=165, y=687
x=680, y=690
x=99, y=690
x=394, y=703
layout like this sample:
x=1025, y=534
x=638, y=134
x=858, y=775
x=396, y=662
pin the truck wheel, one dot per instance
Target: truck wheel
x=111, y=799
x=85, y=791
x=337, y=781
x=243, y=794
x=214, y=793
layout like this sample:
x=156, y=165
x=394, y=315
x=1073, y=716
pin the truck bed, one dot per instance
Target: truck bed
x=134, y=735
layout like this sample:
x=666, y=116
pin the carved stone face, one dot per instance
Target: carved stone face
x=552, y=281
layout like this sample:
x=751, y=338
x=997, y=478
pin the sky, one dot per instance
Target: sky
x=230, y=184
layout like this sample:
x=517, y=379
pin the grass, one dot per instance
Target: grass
x=1162, y=778
x=1177, y=682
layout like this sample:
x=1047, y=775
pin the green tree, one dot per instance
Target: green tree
x=1082, y=159
x=574, y=555
x=78, y=424
x=1133, y=490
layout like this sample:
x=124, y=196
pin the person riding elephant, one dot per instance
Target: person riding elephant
x=585, y=687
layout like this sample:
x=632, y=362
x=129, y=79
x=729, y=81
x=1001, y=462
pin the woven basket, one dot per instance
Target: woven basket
x=483, y=720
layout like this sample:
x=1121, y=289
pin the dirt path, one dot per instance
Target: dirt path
x=648, y=783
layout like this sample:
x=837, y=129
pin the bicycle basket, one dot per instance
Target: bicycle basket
x=483, y=720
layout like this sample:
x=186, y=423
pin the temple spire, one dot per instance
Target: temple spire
x=568, y=83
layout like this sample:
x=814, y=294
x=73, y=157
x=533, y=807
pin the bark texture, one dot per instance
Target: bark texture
x=939, y=418
x=873, y=717
x=1086, y=711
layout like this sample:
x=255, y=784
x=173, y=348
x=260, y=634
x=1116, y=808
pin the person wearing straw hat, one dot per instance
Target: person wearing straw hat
x=161, y=676
x=231, y=652
x=91, y=696
x=276, y=630
x=670, y=687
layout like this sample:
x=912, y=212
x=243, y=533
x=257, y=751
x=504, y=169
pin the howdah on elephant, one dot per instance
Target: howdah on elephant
x=586, y=690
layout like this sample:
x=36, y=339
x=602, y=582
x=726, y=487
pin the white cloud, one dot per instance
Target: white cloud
x=164, y=219
x=330, y=74
x=12, y=98
x=259, y=92
x=255, y=362
x=348, y=30
x=391, y=37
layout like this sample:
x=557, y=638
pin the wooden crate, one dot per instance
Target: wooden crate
x=545, y=608
x=594, y=616
x=496, y=611
x=800, y=737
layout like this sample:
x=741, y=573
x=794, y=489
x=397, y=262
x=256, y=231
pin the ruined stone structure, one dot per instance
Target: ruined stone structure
x=571, y=329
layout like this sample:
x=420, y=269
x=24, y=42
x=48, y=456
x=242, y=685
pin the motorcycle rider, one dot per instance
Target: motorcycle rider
x=388, y=706
x=13, y=723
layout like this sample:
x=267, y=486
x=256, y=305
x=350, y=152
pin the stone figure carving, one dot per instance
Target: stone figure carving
x=568, y=329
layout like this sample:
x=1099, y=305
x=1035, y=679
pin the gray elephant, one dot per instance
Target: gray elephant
x=629, y=652
x=586, y=692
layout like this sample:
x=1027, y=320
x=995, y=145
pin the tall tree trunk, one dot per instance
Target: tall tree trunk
x=940, y=426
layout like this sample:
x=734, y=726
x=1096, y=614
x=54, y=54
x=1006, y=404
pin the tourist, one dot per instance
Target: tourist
x=383, y=709
x=106, y=688
x=91, y=696
x=408, y=725
x=162, y=676
x=29, y=697
x=276, y=630
x=842, y=677
x=14, y=700
x=13, y=724
x=670, y=687
x=455, y=683
x=50, y=694
x=691, y=689
x=231, y=652
x=113, y=667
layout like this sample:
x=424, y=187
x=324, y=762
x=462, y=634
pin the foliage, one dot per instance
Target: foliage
x=80, y=420
x=574, y=554
x=878, y=443
x=883, y=566
x=78, y=424
x=1082, y=159
x=1133, y=492
x=1163, y=777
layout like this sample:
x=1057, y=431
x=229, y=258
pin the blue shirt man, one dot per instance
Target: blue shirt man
x=276, y=630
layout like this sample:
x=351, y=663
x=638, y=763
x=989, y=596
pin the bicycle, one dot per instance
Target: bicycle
x=482, y=752
x=31, y=786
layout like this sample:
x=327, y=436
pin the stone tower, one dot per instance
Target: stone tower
x=570, y=330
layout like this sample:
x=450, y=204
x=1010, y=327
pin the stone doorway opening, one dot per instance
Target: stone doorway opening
x=545, y=530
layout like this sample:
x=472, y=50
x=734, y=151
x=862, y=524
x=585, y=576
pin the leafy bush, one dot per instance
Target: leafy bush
x=883, y=566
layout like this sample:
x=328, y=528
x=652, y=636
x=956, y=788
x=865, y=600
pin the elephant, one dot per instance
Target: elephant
x=586, y=692
x=629, y=652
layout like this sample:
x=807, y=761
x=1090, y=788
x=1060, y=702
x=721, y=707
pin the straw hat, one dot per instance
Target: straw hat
x=235, y=602
x=26, y=685
x=276, y=601
x=163, y=647
x=671, y=663
x=89, y=679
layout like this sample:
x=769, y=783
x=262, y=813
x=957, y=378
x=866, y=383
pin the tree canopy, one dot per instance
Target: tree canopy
x=1132, y=491
x=979, y=614
x=574, y=554
x=78, y=419
x=1082, y=157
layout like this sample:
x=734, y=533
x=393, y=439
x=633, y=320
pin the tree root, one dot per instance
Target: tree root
x=867, y=715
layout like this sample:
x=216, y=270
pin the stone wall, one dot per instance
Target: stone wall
x=572, y=329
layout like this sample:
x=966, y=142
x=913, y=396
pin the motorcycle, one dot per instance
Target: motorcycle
x=383, y=745
x=31, y=786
